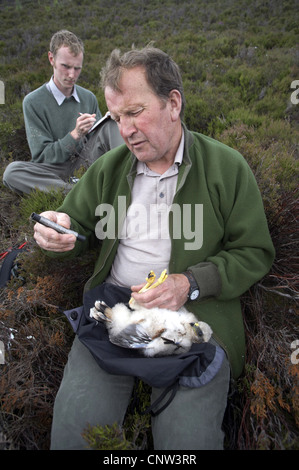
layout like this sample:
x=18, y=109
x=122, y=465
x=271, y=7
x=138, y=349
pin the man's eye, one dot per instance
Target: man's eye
x=135, y=113
x=130, y=113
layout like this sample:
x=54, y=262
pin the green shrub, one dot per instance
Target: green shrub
x=39, y=201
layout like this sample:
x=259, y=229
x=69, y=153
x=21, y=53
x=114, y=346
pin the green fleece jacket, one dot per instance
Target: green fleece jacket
x=236, y=248
x=48, y=125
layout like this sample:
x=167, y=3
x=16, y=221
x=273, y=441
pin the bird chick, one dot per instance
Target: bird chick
x=155, y=332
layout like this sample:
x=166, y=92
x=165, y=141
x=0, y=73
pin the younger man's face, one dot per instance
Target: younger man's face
x=66, y=68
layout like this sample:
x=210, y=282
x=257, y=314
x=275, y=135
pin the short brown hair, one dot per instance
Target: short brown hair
x=162, y=73
x=67, y=39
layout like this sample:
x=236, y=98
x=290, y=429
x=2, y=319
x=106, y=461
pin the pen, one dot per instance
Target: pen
x=59, y=228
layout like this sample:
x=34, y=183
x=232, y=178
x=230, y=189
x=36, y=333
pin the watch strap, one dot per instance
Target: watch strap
x=193, y=284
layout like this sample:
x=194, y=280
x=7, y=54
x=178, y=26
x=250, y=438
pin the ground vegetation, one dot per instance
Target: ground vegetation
x=240, y=64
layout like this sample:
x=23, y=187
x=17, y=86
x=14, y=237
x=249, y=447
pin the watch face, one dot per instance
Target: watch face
x=194, y=294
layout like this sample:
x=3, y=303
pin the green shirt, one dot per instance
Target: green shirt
x=236, y=248
x=48, y=125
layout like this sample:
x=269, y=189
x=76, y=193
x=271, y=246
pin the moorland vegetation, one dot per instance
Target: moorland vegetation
x=240, y=65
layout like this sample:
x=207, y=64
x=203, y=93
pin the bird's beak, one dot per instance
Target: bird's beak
x=197, y=329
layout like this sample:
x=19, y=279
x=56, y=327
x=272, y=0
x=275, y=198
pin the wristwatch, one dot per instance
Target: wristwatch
x=194, y=289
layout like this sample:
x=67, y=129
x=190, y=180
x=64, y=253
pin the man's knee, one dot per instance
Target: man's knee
x=10, y=176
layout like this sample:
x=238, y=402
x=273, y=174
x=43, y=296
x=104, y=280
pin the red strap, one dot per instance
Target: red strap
x=5, y=253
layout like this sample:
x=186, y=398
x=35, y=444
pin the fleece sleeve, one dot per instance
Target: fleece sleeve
x=247, y=250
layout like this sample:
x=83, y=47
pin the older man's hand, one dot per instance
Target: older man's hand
x=49, y=239
x=171, y=294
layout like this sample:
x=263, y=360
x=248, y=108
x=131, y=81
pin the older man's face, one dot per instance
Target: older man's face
x=150, y=127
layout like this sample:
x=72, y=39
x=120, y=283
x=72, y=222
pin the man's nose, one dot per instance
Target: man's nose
x=71, y=72
x=127, y=126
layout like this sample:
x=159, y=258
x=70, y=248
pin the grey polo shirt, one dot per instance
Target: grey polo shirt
x=145, y=244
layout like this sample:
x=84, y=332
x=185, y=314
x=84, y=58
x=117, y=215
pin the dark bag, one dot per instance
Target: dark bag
x=192, y=369
x=9, y=265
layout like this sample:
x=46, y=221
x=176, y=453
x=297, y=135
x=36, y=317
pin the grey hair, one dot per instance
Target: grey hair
x=162, y=73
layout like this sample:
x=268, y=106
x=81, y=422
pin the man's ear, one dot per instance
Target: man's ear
x=51, y=58
x=175, y=100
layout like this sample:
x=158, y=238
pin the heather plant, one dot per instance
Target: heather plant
x=134, y=435
x=40, y=201
x=238, y=61
x=271, y=153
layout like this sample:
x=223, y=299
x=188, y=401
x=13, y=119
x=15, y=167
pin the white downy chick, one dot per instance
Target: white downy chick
x=155, y=332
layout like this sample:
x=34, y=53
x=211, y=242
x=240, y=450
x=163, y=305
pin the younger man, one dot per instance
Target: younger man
x=58, y=117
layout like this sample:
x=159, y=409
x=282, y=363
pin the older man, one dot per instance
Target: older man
x=163, y=167
x=58, y=117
